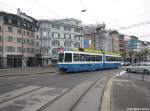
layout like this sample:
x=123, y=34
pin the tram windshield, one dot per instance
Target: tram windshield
x=61, y=57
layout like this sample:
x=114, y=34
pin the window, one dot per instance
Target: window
x=76, y=57
x=55, y=43
x=88, y=58
x=82, y=57
x=19, y=49
x=77, y=45
x=28, y=41
x=37, y=44
x=37, y=37
x=77, y=37
x=98, y=58
x=10, y=29
x=10, y=49
x=19, y=40
x=93, y=58
x=19, y=31
x=77, y=30
x=68, y=57
x=55, y=35
x=67, y=43
x=28, y=50
x=56, y=26
x=111, y=58
x=10, y=39
x=54, y=51
x=32, y=34
x=61, y=57
x=67, y=36
x=24, y=33
x=66, y=28
x=28, y=33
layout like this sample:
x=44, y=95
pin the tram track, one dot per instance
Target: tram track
x=66, y=103
x=85, y=86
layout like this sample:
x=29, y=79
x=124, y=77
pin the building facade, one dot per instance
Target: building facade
x=56, y=34
x=17, y=40
x=101, y=39
x=122, y=44
x=133, y=44
x=115, y=40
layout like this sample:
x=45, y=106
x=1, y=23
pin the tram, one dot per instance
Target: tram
x=87, y=60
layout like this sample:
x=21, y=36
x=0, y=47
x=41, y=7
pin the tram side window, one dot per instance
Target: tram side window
x=68, y=57
x=109, y=58
x=98, y=58
x=119, y=59
x=88, y=58
x=76, y=57
x=82, y=57
x=93, y=58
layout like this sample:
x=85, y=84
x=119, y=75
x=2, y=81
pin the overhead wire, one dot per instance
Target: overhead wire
x=87, y=9
x=135, y=25
x=48, y=9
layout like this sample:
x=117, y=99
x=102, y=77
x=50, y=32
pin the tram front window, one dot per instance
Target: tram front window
x=61, y=57
x=68, y=57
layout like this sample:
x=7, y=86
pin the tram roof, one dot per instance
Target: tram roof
x=94, y=51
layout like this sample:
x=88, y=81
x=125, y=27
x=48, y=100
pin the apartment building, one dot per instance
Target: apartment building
x=115, y=40
x=122, y=44
x=56, y=34
x=17, y=40
x=101, y=39
x=133, y=44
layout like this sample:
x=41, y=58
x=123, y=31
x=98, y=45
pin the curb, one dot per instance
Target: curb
x=23, y=74
x=105, y=106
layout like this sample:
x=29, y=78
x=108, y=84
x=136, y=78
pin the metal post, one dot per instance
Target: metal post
x=143, y=76
x=22, y=43
x=3, y=45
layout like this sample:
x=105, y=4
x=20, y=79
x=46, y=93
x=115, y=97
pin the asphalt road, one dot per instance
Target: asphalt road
x=33, y=92
x=50, y=80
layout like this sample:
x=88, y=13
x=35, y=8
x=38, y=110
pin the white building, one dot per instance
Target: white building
x=55, y=34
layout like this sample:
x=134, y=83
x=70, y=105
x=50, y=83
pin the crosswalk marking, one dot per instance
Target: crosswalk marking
x=34, y=100
x=15, y=93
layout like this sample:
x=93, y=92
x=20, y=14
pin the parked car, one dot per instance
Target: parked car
x=126, y=63
x=139, y=68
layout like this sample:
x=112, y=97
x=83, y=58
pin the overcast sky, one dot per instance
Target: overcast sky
x=130, y=17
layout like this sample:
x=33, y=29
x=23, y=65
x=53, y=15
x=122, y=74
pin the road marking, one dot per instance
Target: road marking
x=34, y=100
x=105, y=106
x=121, y=73
x=15, y=93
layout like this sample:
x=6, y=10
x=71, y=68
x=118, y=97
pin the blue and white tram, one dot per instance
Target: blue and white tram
x=75, y=61
x=111, y=60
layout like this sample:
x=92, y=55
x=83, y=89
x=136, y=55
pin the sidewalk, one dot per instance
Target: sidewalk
x=130, y=95
x=27, y=71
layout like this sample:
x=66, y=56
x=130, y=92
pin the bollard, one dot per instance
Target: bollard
x=143, y=76
x=128, y=75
